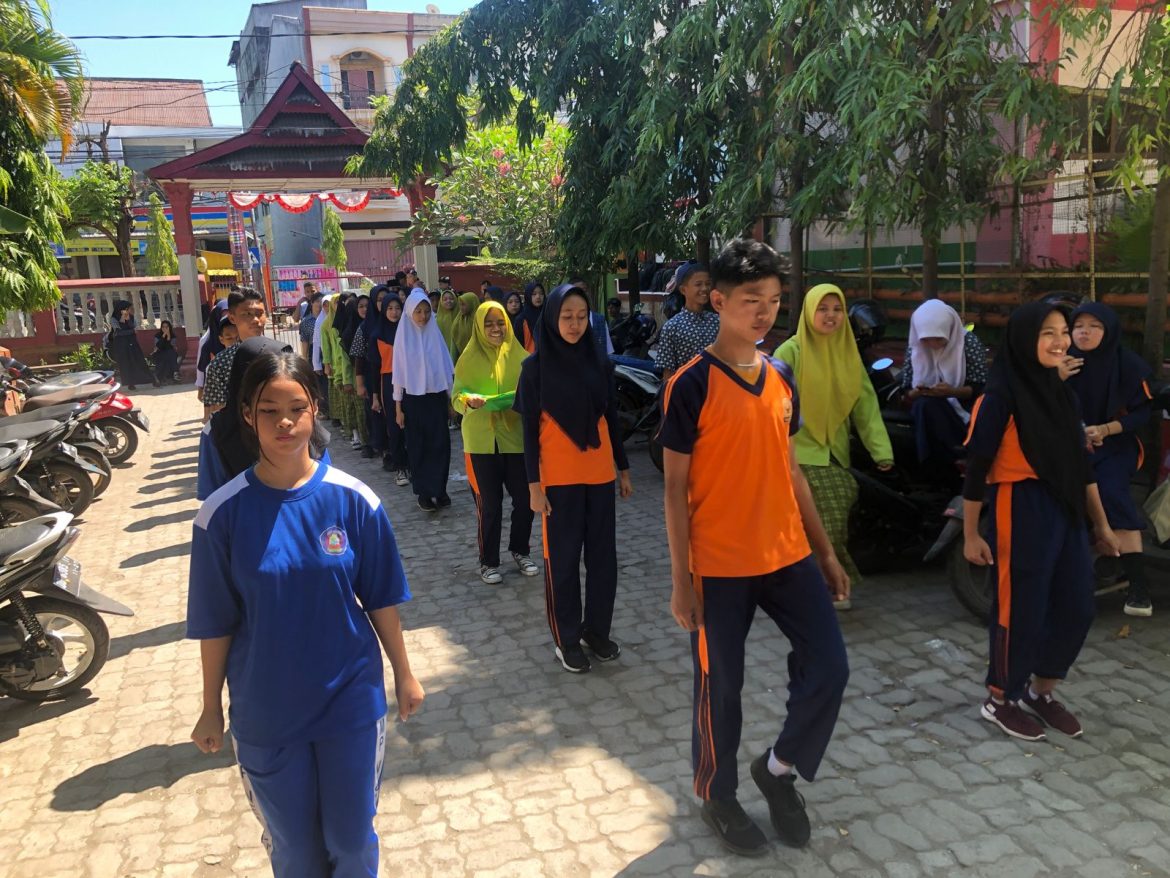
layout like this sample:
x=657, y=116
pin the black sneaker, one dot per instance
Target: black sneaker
x=443, y=500
x=785, y=804
x=426, y=504
x=1137, y=602
x=367, y=452
x=734, y=828
x=605, y=649
x=388, y=464
x=573, y=659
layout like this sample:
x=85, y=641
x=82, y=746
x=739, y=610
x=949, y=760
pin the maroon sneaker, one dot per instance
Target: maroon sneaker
x=1053, y=713
x=1013, y=720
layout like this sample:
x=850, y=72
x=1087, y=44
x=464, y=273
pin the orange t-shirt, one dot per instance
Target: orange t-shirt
x=563, y=463
x=386, y=352
x=992, y=433
x=744, y=518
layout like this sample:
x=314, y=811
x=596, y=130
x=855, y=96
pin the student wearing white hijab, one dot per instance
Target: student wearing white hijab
x=318, y=364
x=422, y=378
x=945, y=370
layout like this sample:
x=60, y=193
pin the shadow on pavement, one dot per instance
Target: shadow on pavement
x=171, y=473
x=163, y=501
x=180, y=435
x=164, y=465
x=172, y=453
x=16, y=716
x=189, y=482
x=154, y=521
x=144, y=558
x=169, y=633
x=153, y=766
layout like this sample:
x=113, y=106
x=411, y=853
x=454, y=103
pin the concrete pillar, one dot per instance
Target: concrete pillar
x=93, y=266
x=179, y=195
x=426, y=263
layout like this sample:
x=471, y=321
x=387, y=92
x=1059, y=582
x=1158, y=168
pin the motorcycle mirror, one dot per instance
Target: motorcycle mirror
x=881, y=365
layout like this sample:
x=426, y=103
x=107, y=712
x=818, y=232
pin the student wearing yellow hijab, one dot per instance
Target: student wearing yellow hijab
x=836, y=398
x=445, y=317
x=462, y=326
x=486, y=375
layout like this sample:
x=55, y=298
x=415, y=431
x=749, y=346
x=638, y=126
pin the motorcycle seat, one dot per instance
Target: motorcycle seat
x=23, y=542
x=70, y=379
x=62, y=412
x=32, y=431
x=84, y=393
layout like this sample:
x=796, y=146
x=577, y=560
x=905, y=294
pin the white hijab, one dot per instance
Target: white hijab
x=936, y=319
x=422, y=362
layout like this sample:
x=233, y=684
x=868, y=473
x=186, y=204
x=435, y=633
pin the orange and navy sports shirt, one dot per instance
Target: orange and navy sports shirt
x=994, y=453
x=744, y=517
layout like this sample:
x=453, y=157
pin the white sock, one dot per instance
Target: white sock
x=775, y=767
x=1035, y=696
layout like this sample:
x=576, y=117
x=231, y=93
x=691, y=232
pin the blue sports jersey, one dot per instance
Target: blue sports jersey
x=212, y=474
x=290, y=576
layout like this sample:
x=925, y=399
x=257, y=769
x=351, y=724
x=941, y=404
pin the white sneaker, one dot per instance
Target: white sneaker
x=527, y=565
x=402, y=479
x=490, y=575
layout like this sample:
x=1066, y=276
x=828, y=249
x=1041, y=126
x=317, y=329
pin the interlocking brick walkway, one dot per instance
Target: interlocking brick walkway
x=516, y=768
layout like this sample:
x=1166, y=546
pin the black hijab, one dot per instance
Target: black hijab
x=530, y=313
x=225, y=424
x=353, y=321
x=496, y=294
x=572, y=382
x=212, y=346
x=341, y=315
x=1112, y=374
x=385, y=329
x=1044, y=407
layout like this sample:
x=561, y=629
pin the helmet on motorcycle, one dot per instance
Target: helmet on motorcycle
x=869, y=321
x=1065, y=300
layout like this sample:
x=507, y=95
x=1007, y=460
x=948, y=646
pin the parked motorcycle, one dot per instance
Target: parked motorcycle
x=637, y=386
x=116, y=415
x=58, y=473
x=88, y=440
x=18, y=501
x=632, y=336
x=53, y=642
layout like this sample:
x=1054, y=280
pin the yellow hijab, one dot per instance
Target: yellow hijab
x=445, y=317
x=828, y=369
x=463, y=325
x=490, y=371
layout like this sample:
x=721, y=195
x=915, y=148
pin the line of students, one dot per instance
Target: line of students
x=731, y=431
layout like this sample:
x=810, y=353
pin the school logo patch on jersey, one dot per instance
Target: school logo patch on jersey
x=334, y=541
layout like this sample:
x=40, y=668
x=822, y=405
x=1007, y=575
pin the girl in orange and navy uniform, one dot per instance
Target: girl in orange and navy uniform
x=380, y=354
x=1027, y=460
x=526, y=324
x=571, y=444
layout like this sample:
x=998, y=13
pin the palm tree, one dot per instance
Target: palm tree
x=40, y=71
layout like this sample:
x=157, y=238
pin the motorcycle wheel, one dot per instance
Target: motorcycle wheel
x=65, y=484
x=656, y=455
x=122, y=438
x=15, y=510
x=80, y=638
x=95, y=458
x=627, y=412
x=971, y=584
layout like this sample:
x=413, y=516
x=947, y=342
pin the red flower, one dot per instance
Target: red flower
x=498, y=153
x=557, y=181
x=504, y=168
x=463, y=218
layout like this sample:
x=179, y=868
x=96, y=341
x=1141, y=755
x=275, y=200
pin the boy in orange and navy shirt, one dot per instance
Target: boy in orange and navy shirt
x=740, y=520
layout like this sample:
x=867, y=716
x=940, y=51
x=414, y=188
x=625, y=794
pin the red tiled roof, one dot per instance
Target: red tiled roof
x=162, y=102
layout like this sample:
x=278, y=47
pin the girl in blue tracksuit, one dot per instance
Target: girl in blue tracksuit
x=294, y=626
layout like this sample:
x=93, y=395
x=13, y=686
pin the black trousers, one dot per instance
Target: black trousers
x=323, y=390
x=375, y=426
x=489, y=475
x=395, y=435
x=797, y=600
x=583, y=518
x=428, y=443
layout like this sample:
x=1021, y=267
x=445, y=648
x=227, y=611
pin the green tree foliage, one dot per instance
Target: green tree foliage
x=499, y=194
x=101, y=196
x=162, y=259
x=32, y=110
x=332, y=239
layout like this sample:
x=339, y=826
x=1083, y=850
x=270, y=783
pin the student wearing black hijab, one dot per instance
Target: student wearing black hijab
x=1110, y=382
x=1027, y=459
x=124, y=348
x=380, y=354
x=572, y=441
x=527, y=323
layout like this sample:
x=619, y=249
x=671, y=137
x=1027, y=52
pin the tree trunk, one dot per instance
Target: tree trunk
x=703, y=249
x=632, y=279
x=125, y=227
x=1154, y=340
x=929, y=266
x=795, y=274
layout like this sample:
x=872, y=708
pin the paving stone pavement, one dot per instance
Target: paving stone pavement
x=515, y=768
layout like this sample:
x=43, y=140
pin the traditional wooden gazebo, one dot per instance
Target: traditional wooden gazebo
x=299, y=143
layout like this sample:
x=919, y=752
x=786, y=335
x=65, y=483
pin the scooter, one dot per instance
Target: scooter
x=116, y=415
x=60, y=475
x=637, y=386
x=18, y=501
x=54, y=642
x=89, y=442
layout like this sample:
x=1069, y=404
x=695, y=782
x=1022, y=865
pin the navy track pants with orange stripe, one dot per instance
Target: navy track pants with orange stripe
x=1043, y=605
x=798, y=601
x=489, y=475
x=583, y=519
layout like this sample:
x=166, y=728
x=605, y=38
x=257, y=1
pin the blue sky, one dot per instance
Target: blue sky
x=181, y=59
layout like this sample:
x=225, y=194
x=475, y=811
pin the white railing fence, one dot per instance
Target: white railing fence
x=86, y=309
